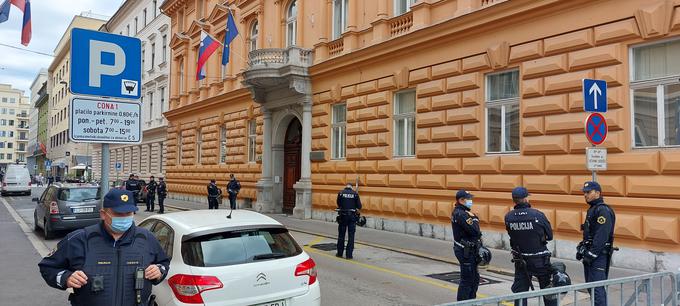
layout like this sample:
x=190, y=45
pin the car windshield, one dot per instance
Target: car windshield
x=237, y=247
x=79, y=194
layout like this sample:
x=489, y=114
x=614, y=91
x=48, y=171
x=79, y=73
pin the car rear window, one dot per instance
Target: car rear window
x=238, y=247
x=79, y=194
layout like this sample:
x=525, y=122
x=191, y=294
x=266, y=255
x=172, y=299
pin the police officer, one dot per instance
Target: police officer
x=233, y=188
x=529, y=232
x=162, y=193
x=133, y=185
x=100, y=261
x=150, y=194
x=214, y=192
x=467, y=240
x=348, y=206
x=598, y=238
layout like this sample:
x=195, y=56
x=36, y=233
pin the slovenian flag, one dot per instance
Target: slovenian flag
x=230, y=33
x=24, y=6
x=205, y=50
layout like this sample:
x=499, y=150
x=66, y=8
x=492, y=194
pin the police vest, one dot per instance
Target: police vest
x=116, y=265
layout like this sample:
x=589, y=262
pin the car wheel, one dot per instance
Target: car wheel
x=46, y=230
x=35, y=221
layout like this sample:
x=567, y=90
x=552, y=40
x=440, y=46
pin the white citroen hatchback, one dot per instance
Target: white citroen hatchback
x=250, y=259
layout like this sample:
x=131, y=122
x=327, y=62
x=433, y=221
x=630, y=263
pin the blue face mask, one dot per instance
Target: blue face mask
x=121, y=224
x=468, y=204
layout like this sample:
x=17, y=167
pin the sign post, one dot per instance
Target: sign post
x=596, y=129
x=105, y=66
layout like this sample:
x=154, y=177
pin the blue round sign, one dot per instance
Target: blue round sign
x=596, y=129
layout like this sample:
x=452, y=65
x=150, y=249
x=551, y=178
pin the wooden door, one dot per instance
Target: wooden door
x=291, y=164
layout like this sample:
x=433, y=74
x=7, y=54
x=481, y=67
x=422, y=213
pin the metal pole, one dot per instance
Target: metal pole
x=105, y=168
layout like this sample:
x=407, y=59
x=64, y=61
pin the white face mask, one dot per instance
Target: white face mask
x=468, y=203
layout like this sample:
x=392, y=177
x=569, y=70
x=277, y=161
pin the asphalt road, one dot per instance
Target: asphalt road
x=374, y=277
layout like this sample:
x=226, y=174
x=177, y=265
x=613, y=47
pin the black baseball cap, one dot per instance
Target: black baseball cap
x=462, y=194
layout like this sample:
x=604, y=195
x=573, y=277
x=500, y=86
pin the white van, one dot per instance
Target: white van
x=16, y=180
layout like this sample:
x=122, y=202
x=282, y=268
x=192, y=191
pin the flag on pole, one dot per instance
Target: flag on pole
x=4, y=11
x=207, y=47
x=229, y=35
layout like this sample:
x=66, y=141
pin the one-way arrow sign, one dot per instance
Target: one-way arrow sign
x=594, y=96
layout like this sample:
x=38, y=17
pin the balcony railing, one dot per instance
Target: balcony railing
x=22, y=126
x=22, y=115
x=280, y=57
x=336, y=47
x=401, y=24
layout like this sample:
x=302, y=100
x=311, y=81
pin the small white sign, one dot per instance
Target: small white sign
x=596, y=159
x=128, y=87
x=105, y=121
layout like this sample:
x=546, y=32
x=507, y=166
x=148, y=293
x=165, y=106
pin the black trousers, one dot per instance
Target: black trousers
x=232, y=200
x=597, y=271
x=469, y=274
x=161, y=208
x=150, y=198
x=536, y=266
x=212, y=203
x=347, y=224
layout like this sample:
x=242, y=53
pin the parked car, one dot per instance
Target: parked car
x=67, y=207
x=250, y=259
x=16, y=180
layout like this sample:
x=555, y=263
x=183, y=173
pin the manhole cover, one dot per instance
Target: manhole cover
x=326, y=246
x=454, y=277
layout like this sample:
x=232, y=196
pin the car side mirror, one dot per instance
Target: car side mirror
x=35, y=200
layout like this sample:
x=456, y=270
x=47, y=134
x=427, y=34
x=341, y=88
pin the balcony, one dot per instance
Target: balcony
x=271, y=69
x=22, y=126
x=22, y=115
x=21, y=149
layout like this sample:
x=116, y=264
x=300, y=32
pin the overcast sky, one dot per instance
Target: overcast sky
x=49, y=19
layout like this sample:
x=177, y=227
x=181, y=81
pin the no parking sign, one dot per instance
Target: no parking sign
x=596, y=129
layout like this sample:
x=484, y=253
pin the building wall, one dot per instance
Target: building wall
x=444, y=51
x=144, y=20
x=34, y=118
x=12, y=105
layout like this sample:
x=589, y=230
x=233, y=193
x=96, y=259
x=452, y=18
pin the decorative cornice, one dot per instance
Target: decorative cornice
x=178, y=40
x=196, y=27
x=211, y=103
x=170, y=7
x=499, y=55
x=655, y=19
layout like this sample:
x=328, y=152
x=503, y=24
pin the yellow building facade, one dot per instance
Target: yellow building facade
x=417, y=99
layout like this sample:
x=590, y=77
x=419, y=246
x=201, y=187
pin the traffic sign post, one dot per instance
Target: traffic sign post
x=596, y=129
x=106, y=66
x=595, y=101
x=594, y=96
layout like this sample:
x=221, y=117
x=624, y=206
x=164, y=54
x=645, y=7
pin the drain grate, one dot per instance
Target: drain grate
x=454, y=277
x=326, y=246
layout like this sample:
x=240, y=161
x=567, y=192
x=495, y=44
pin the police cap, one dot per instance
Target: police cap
x=120, y=201
x=462, y=194
x=520, y=193
x=590, y=185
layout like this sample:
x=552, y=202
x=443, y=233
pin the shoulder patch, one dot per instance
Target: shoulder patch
x=469, y=221
x=601, y=220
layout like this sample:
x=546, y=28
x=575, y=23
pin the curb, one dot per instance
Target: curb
x=384, y=247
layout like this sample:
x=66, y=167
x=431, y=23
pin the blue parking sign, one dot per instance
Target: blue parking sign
x=595, y=96
x=106, y=65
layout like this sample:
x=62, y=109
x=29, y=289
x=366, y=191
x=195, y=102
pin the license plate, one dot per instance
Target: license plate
x=82, y=210
x=275, y=303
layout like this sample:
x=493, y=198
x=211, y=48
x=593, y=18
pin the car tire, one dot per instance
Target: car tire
x=35, y=221
x=47, y=231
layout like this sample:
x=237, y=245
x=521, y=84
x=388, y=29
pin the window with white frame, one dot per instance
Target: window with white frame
x=150, y=106
x=198, y=146
x=165, y=48
x=252, y=140
x=404, y=123
x=502, y=112
x=338, y=126
x=153, y=55
x=339, y=17
x=181, y=75
x=223, y=145
x=291, y=24
x=253, y=36
x=162, y=106
x=402, y=6
x=655, y=94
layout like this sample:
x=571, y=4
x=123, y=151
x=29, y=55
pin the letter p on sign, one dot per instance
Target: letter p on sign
x=105, y=65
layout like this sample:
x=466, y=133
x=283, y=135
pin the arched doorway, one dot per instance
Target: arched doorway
x=291, y=164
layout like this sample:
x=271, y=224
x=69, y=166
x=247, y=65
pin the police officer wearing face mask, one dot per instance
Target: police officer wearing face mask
x=348, y=205
x=467, y=241
x=529, y=232
x=598, y=238
x=100, y=261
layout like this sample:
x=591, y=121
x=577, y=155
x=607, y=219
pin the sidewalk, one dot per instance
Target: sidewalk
x=434, y=249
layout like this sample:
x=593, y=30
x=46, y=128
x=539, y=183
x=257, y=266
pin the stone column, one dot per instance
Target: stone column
x=303, y=188
x=264, y=185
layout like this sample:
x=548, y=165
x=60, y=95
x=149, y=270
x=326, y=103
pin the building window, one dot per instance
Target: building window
x=199, y=8
x=198, y=146
x=179, y=148
x=253, y=36
x=143, y=57
x=160, y=158
x=148, y=158
x=127, y=30
x=291, y=24
x=144, y=17
x=136, y=26
x=155, y=8
x=338, y=131
x=252, y=140
x=223, y=145
x=502, y=112
x=181, y=75
x=150, y=106
x=162, y=106
x=12, y=111
x=404, y=123
x=656, y=94
x=165, y=48
x=339, y=17
x=153, y=55
x=402, y=6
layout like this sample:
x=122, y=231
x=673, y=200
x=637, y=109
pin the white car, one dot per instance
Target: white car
x=250, y=259
x=16, y=180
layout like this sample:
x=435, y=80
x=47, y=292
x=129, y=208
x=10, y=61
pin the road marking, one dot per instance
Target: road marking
x=39, y=246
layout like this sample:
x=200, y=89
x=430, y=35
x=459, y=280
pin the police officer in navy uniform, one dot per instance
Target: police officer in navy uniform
x=162, y=193
x=233, y=188
x=348, y=206
x=150, y=194
x=99, y=262
x=214, y=192
x=598, y=237
x=529, y=232
x=132, y=184
x=467, y=240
